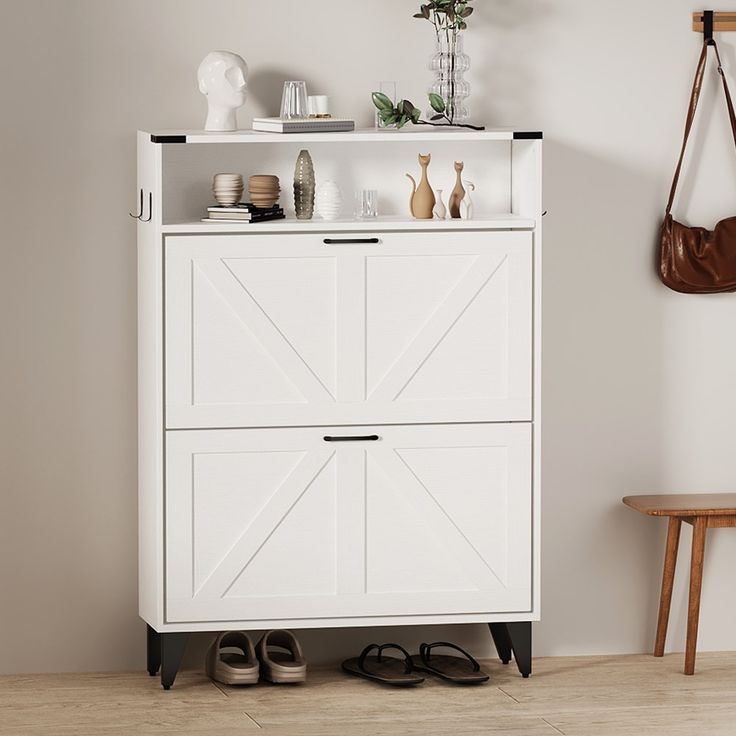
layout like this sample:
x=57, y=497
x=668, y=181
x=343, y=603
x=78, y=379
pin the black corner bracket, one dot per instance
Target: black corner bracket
x=168, y=138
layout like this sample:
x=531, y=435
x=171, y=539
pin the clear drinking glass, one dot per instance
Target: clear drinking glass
x=388, y=89
x=366, y=204
x=294, y=101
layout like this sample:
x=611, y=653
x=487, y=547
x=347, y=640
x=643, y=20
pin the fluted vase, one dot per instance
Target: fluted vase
x=449, y=63
x=304, y=186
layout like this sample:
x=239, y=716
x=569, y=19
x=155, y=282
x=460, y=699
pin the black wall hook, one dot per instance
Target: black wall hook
x=708, y=26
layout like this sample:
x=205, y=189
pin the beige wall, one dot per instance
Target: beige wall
x=640, y=382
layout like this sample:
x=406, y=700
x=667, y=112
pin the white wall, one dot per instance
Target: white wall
x=640, y=382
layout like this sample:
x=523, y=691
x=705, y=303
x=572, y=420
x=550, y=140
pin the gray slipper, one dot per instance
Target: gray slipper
x=231, y=659
x=281, y=657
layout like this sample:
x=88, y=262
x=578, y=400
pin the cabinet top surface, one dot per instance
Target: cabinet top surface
x=357, y=136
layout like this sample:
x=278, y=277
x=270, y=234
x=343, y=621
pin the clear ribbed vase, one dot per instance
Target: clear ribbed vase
x=449, y=63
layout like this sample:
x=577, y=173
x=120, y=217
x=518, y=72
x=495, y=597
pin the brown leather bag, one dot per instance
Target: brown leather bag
x=694, y=260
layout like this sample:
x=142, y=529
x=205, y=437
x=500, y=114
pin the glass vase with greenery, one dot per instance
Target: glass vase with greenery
x=448, y=92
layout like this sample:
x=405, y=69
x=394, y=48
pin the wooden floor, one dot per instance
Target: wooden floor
x=575, y=696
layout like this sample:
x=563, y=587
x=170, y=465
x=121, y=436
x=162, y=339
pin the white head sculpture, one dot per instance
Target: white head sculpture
x=223, y=80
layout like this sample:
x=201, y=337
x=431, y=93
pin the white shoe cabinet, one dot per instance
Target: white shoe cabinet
x=339, y=421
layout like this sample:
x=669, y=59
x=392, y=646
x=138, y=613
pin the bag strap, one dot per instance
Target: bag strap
x=694, y=98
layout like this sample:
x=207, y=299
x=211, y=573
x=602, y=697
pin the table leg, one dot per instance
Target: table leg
x=668, y=578
x=700, y=525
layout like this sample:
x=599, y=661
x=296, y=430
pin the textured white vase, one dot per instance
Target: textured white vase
x=440, y=211
x=328, y=200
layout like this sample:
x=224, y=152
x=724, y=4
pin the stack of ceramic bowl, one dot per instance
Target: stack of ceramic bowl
x=264, y=190
x=228, y=189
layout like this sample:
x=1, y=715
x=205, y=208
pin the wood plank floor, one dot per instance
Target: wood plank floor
x=574, y=696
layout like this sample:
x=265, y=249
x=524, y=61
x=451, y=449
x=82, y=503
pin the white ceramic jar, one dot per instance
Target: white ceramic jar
x=328, y=200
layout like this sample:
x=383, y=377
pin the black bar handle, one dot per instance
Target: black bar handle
x=356, y=438
x=344, y=241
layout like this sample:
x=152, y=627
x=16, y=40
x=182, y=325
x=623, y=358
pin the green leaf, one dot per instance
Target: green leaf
x=425, y=11
x=437, y=103
x=381, y=101
x=439, y=116
x=462, y=25
x=415, y=115
x=466, y=12
x=418, y=15
x=402, y=121
x=406, y=107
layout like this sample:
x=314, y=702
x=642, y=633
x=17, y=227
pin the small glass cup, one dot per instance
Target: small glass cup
x=294, y=101
x=366, y=204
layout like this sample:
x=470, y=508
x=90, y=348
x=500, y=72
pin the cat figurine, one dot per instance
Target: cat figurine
x=422, y=201
x=458, y=193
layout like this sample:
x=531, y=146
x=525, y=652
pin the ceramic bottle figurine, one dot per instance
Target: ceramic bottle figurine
x=466, y=206
x=328, y=200
x=458, y=193
x=304, y=186
x=421, y=203
x=440, y=211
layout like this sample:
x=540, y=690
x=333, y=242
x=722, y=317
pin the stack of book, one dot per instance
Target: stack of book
x=304, y=125
x=243, y=212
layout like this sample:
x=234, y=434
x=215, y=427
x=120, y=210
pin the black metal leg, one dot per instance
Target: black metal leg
x=153, y=650
x=520, y=634
x=172, y=650
x=502, y=640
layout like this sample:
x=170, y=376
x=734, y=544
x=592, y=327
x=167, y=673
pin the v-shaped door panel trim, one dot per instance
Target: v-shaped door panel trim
x=436, y=519
x=266, y=522
x=436, y=328
x=263, y=329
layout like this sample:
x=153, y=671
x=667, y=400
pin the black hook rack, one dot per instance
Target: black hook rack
x=708, y=21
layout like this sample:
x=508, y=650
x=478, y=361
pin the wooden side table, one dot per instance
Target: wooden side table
x=704, y=511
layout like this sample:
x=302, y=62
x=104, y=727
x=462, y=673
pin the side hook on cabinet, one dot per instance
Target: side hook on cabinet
x=139, y=216
x=140, y=208
x=150, y=209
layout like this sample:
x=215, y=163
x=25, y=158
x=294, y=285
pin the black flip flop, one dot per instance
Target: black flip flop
x=453, y=669
x=387, y=670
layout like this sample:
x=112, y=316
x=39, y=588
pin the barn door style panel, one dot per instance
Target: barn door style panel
x=251, y=331
x=290, y=330
x=251, y=523
x=448, y=328
x=282, y=523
